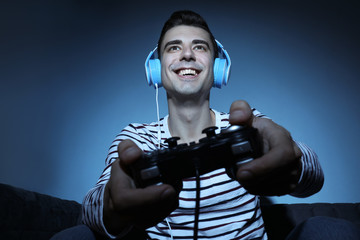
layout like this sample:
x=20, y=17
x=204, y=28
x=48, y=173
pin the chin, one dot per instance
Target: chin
x=194, y=91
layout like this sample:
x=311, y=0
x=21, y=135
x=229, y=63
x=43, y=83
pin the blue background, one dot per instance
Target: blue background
x=72, y=77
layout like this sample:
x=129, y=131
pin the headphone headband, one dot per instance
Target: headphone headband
x=221, y=69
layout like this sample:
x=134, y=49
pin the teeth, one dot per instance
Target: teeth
x=184, y=72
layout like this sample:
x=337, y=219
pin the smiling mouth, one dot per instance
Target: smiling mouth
x=187, y=72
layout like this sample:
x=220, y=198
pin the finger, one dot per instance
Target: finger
x=130, y=204
x=149, y=215
x=125, y=195
x=278, y=153
x=143, y=213
x=282, y=183
x=270, y=189
x=240, y=113
x=148, y=206
x=119, y=179
x=128, y=152
x=263, y=166
x=276, y=184
x=281, y=154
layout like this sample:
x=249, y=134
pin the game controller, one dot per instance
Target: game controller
x=229, y=149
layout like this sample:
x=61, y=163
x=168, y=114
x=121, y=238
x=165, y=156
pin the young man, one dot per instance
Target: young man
x=229, y=209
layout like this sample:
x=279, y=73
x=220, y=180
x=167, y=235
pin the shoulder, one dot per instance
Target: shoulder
x=258, y=113
x=143, y=134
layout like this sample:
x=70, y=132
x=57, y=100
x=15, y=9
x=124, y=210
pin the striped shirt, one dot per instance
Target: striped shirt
x=227, y=210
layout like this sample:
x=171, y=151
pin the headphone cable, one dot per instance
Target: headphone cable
x=158, y=115
x=197, y=203
x=159, y=140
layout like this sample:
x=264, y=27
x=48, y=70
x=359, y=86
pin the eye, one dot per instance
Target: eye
x=173, y=48
x=200, y=48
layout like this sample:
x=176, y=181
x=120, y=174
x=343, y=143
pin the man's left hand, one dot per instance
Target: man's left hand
x=278, y=171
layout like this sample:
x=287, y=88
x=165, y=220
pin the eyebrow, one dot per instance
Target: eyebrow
x=195, y=41
x=173, y=42
x=199, y=41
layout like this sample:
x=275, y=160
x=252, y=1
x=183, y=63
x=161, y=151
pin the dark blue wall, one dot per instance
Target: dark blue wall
x=72, y=77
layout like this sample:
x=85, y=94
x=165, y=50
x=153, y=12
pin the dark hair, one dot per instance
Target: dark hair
x=189, y=18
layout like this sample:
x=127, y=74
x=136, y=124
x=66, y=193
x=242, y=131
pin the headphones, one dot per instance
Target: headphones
x=222, y=66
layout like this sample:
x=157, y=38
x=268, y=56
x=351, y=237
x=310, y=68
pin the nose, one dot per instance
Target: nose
x=187, y=54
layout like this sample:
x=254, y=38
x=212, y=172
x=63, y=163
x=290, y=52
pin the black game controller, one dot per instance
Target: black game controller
x=235, y=145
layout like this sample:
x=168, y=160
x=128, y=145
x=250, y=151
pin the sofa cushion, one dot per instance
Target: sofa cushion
x=280, y=219
x=30, y=215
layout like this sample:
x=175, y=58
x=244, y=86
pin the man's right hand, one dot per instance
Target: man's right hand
x=125, y=205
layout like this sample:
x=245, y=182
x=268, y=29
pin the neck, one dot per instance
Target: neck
x=187, y=119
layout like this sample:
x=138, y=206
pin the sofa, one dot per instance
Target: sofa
x=30, y=215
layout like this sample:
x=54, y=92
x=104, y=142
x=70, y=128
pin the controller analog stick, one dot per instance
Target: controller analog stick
x=210, y=131
x=172, y=142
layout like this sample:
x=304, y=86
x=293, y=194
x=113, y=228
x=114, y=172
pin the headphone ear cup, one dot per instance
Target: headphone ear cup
x=219, y=72
x=154, y=72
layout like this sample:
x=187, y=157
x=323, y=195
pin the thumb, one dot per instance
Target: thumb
x=240, y=113
x=128, y=152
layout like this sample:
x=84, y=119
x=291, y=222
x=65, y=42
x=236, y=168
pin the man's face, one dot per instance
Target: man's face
x=187, y=58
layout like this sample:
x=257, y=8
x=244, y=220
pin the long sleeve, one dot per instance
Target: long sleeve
x=93, y=203
x=312, y=176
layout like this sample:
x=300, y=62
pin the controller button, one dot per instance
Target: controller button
x=241, y=148
x=149, y=173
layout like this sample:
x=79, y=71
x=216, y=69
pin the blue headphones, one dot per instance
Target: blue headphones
x=222, y=66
